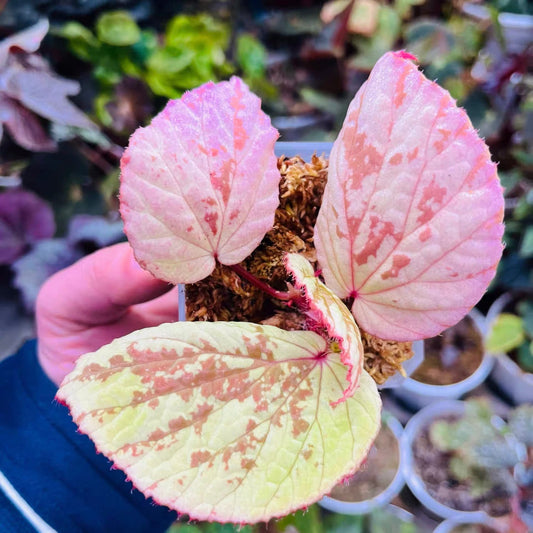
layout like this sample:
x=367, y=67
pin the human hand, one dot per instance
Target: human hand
x=101, y=297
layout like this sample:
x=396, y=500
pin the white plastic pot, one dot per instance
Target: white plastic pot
x=417, y=394
x=409, y=367
x=304, y=149
x=414, y=427
x=418, y=423
x=448, y=525
x=517, y=29
x=385, y=496
x=513, y=382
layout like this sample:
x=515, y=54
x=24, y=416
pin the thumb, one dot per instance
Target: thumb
x=98, y=288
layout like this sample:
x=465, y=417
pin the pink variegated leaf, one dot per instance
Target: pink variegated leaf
x=327, y=311
x=24, y=126
x=28, y=40
x=46, y=94
x=200, y=183
x=411, y=221
x=232, y=422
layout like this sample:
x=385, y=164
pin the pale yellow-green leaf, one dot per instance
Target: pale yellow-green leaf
x=332, y=9
x=364, y=17
x=230, y=422
x=506, y=333
x=117, y=28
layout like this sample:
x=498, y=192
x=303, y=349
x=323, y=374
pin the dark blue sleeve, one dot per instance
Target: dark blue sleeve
x=56, y=470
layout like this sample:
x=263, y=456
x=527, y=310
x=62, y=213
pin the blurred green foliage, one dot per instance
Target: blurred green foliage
x=194, y=49
x=387, y=32
x=514, y=333
x=507, y=333
x=311, y=520
x=193, y=53
x=522, y=7
x=117, y=28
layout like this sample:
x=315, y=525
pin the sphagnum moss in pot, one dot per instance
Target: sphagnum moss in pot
x=266, y=397
x=464, y=463
x=379, y=479
x=454, y=363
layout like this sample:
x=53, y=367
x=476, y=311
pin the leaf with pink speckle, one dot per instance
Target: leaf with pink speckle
x=200, y=183
x=232, y=422
x=411, y=220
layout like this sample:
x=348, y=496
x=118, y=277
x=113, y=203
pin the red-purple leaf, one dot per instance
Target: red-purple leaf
x=410, y=224
x=24, y=126
x=45, y=258
x=46, y=95
x=24, y=219
x=200, y=183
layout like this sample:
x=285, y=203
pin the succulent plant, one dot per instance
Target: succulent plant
x=484, y=450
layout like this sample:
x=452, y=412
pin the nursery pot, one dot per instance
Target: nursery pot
x=408, y=366
x=414, y=480
x=417, y=394
x=516, y=28
x=515, y=384
x=454, y=525
x=348, y=497
x=296, y=126
x=304, y=149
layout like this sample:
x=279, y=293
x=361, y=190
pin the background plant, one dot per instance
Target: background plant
x=489, y=454
x=312, y=520
x=193, y=50
x=514, y=333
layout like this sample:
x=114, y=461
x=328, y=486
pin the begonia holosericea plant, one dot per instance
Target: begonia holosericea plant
x=239, y=421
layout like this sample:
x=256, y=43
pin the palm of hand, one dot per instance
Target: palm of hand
x=101, y=297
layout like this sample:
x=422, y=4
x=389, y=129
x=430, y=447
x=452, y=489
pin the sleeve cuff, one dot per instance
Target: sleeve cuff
x=56, y=469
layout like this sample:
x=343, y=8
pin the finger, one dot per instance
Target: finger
x=146, y=315
x=159, y=310
x=99, y=288
x=153, y=313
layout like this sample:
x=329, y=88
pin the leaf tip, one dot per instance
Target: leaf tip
x=59, y=399
x=403, y=54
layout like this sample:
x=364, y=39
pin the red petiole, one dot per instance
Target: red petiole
x=286, y=296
